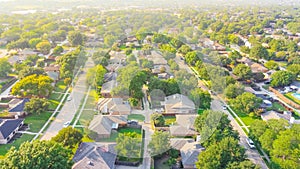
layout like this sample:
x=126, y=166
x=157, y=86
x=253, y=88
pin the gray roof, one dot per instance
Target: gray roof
x=178, y=143
x=178, y=102
x=108, y=86
x=189, y=153
x=19, y=106
x=177, y=130
x=108, y=105
x=7, y=126
x=95, y=156
x=102, y=124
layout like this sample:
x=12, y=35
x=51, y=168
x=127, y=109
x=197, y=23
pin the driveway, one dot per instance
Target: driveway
x=70, y=108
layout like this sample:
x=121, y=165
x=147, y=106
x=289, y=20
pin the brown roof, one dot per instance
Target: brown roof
x=52, y=68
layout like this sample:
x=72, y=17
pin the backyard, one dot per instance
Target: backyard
x=114, y=134
x=36, y=121
x=4, y=148
x=137, y=117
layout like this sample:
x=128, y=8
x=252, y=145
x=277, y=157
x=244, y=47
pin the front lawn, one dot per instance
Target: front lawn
x=37, y=121
x=170, y=120
x=4, y=148
x=137, y=117
x=60, y=86
x=248, y=120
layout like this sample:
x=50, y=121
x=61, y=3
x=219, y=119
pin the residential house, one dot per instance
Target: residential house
x=178, y=104
x=189, y=154
x=163, y=76
x=258, y=68
x=245, y=61
x=184, y=126
x=107, y=88
x=95, y=156
x=102, y=125
x=113, y=106
x=117, y=57
x=16, y=106
x=275, y=115
x=8, y=128
x=53, y=72
x=178, y=143
x=219, y=47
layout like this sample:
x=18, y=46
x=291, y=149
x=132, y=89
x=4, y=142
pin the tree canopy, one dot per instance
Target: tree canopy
x=159, y=143
x=282, y=78
x=68, y=137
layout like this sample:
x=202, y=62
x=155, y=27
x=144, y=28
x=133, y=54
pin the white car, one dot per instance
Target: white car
x=250, y=143
x=66, y=124
x=69, y=98
x=224, y=107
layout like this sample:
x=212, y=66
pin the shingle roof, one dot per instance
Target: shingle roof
x=95, y=156
x=102, y=124
x=7, y=126
x=19, y=107
x=108, y=86
x=189, y=153
x=178, y=143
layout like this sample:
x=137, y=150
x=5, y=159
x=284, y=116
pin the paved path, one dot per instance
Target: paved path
x=70, y=108
x=7, y=91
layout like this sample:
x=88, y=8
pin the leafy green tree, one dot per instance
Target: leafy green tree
x=19, y=44
x=133, y=102
x=33, y=42
x=38, y=154
x=246, y=102
x=75, y=38
x=27, y=71
x=128, y=51
x=242, y=71
x=128, y=145
x=294, y=68
x=246, y=164
x=159, y=143
x=201, y=98
x=33, y=85
x=234, y=90
x=5, y=67
x=157, y=119
x=282, y=78
x=58, y=50
x=68, y=137
x=184, y=49
x=259, y=52
x=109, y=40
x=191, y=58
x=271, y=64
x=221, y=155
x=44, y=47
x=95, y=75
x=37, y=105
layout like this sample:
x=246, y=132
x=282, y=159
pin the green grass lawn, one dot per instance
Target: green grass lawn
x=36, y=121
x=248, y=120
x=200, y=111
x=278, y=107
x=291, y=97
x=16, y=143
x=170, y=120
x=138, y=117
x=114, y=135
x=60, y=86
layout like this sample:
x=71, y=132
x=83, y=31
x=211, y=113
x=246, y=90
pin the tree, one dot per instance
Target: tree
x=246, y=102
x=191, y=58
x=133, y=102
x=259, y=52
x=19, y=44
x=128, y=145
x=95, y=76
x=37, y=105
x=201, y=98
x=282, y=78
x=234, y=90
x=27, y=71
x=5, y=67
x=158, y=120
x=33, y=85
x=75, y=38
x=242, y=71
x=68, y=137
x=38, y=154
x=67, y=81
x=160, y=143
x=44, y=47
x=246, y=164
x=294, y=68
x=184, y=49
x=271, y=64
x=213, y=127
x=58, y=50
x=128, y=51
x=33, y=42
x=219, y=156
x=109, y=40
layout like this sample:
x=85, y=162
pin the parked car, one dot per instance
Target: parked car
x=250, y=143
x=224, y=107
x=132, y=122
x=66, y=124
x=69, y=98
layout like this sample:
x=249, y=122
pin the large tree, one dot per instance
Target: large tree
x=242, y=71
x=37, y=105
x=33, y=85
x=76, y=38
x=95, y=76
x=160, y=143
x=157, y=119
x=36, y=155
x=294, y=68
x=68, y=137
x=282, y=78
x=27, y=71
x=201, y=98
x=246, y=102
x=44, y=47
x=259, y=52
x=129, y=145
x=221, y=155
x=5, y=67
x=234, y=90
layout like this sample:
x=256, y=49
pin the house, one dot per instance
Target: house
x=257, y=68
x=107, y=88
x=116, y=57
x=184, y=126
x=95, y=156
x=178, y=143
x=53, y=72
x=8, y=128
x=245, y=61
x=275, y=115
x=163, y=76
x=219, y=47
x=189, y=154
x=157, y=58
x=102, y=125
x=16, y=106
x=113, y=106
x=178, y=104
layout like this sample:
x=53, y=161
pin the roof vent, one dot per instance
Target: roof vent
x=89, y=163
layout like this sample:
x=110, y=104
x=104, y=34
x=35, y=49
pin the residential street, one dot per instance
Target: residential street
x=69, y=109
